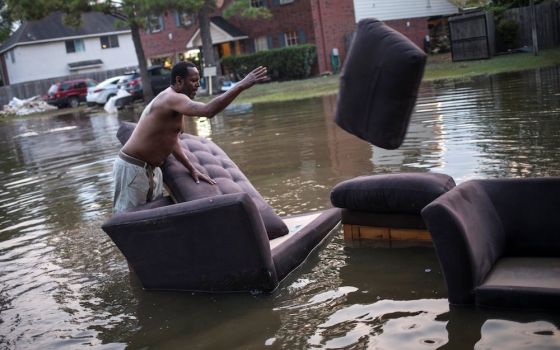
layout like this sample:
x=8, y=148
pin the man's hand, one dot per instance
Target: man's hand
x=258, y=75
x=197, y=176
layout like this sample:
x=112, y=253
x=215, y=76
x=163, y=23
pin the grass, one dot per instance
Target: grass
x=438, y=67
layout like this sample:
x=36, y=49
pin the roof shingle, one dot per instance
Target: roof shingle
x=52, y=27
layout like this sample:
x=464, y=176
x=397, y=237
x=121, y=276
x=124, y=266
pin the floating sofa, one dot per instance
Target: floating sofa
x=384, y=209
x=213, y=238
x=498, y=242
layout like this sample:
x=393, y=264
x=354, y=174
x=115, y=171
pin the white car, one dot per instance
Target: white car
x=102, y=92
x=226, y=85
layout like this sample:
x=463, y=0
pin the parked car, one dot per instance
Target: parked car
x=160, y=77
x=226, y=85
x=102, y=92
x=69, y=92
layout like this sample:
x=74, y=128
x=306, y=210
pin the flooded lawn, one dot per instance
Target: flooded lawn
x=64, y=285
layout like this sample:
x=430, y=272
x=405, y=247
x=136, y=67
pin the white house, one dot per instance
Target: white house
x=47, y=48
x=413, y=18
x=386, y=10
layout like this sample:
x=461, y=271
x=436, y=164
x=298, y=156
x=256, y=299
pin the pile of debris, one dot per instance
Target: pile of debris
x=27, y=106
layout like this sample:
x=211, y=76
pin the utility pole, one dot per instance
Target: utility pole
x=534, y=28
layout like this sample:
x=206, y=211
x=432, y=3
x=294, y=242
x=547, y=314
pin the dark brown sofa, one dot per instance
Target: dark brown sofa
x=220, y=238
x=498, y=242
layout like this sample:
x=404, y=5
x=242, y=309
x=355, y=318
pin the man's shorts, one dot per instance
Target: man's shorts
x=136, y=182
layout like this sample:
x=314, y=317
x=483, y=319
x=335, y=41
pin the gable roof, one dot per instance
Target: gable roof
x=221, y=31
x=52, y=28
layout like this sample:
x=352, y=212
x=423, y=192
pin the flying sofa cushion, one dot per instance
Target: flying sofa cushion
x=379, y=84
x=210, y=159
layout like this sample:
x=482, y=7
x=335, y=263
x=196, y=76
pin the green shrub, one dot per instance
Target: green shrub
x=507, y=32
x=293, y=62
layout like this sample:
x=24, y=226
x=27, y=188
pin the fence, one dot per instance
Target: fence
x=548, y=27
x=472, y=36
x=40, y=87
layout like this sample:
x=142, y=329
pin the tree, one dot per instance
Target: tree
x=468, y=3
x=243, y=8
x=5, y=21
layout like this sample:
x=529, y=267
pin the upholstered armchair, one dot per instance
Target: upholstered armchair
x=498, y=242
x=221, y=238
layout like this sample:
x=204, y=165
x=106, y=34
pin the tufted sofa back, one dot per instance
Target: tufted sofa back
x=210, y=159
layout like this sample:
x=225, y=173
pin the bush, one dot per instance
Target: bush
x=507, y=32
x=293, y=62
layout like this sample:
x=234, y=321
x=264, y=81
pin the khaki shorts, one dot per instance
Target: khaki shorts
x=136, y=183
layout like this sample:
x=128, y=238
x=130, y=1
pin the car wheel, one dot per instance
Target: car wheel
x=73, y=102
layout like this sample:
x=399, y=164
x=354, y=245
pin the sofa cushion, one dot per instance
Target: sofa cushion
x=522, y=282
x=391, y=193
x=379, y=84
x=210, y=159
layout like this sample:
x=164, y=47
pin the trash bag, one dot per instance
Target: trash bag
x=112, y=103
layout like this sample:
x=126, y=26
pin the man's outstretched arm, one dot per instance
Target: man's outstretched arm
x=218, y=104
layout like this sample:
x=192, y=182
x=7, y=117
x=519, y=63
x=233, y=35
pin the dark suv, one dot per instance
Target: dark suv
x=69, y=92
x=160, y=77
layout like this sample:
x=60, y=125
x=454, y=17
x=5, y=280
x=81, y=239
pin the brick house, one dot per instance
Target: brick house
x=328, y=24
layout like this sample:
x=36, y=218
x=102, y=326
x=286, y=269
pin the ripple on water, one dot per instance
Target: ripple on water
x=504, y=334
x=386, y=324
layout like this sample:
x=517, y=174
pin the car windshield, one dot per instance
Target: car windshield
x=109, y=82
x=127, y=77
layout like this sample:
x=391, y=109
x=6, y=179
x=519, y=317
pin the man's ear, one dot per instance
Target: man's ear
x=178, y=80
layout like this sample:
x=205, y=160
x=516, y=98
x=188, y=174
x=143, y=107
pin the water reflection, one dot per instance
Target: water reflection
x=386, y=324
x=63, y=283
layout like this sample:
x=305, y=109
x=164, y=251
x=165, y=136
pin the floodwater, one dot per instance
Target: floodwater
x=64, y=285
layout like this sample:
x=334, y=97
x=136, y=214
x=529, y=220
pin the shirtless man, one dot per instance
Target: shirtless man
x=136, y=171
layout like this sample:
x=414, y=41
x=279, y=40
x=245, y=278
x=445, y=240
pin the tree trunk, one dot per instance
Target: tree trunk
x=208, y=57
x=146, y=81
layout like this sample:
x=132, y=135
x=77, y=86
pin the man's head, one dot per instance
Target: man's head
x=185, y=78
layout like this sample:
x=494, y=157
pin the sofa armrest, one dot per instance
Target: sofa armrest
x=468, y=236
x=213, y=244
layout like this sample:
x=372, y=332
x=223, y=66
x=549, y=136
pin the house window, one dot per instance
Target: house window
x=12, y=56
x=282, y=2
x=76, y=45
x=184, y=19
x=257, y=3
x=109, y=41
x=155, y=24
x=291, y=38
x=261, y=43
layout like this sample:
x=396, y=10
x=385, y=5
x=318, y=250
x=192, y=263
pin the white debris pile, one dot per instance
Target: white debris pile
x=27, y=106
x=111, y=106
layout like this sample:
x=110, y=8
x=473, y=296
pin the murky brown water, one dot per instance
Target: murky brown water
x=64, y=285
